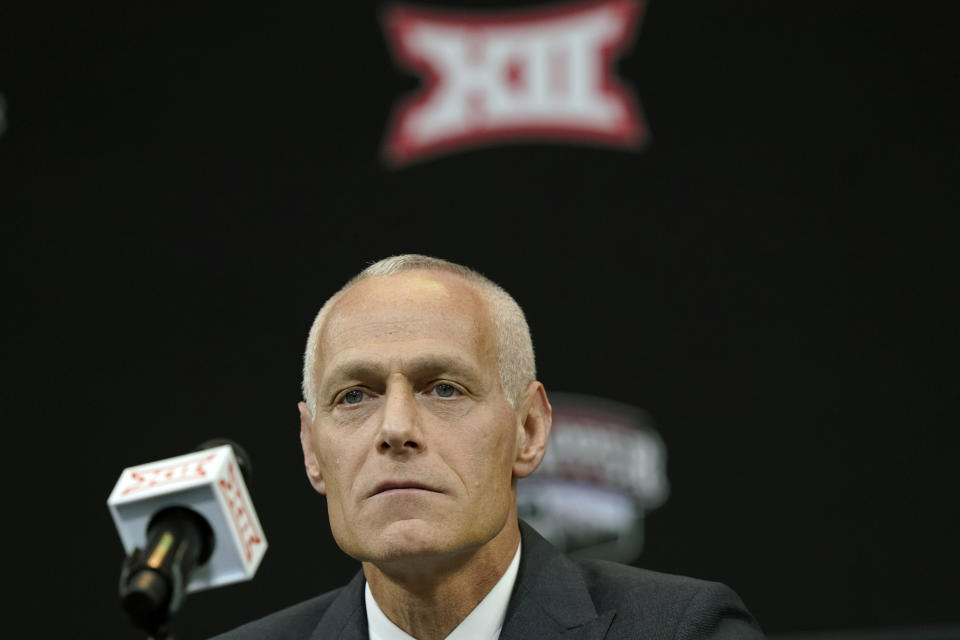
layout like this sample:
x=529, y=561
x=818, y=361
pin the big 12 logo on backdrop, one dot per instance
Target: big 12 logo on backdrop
x=541, y=74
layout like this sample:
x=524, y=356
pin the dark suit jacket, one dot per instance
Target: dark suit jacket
x=554, y=597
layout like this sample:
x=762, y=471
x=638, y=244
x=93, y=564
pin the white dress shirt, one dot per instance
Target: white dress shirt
x=483, y=623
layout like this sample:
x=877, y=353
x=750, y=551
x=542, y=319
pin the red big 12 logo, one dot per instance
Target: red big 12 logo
x=539, y=74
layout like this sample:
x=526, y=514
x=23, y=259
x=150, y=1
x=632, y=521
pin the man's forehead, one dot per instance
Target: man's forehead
x=406, y=305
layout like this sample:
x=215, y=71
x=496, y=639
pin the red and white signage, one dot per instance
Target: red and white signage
x=540, y=74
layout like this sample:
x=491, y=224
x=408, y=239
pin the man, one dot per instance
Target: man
x=421, y=413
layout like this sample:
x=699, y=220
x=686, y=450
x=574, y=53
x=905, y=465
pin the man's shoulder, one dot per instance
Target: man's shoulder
x=607, y=579
x=294, y=622
x=554, y=588
x=670, y=601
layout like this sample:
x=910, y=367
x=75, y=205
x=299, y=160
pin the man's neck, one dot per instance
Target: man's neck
x=429, y=597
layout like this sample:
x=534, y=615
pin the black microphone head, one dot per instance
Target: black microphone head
x=243, y=459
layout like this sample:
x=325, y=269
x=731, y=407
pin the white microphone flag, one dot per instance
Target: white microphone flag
x=208, y=482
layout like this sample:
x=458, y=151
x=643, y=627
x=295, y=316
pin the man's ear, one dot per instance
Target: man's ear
x=309, y=457
x=533, y=429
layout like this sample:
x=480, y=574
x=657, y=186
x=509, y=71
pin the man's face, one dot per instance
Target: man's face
x=414, y=439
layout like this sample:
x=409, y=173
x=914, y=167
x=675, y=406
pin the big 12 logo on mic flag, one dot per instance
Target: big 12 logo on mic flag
x=543, y=74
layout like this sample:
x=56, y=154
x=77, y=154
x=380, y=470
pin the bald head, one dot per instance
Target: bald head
x=428, y=281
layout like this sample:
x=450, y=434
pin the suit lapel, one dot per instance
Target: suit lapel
x=346, y=618
x=550, y=598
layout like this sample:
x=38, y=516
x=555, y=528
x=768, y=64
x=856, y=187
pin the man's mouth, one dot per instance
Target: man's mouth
x=398, y=486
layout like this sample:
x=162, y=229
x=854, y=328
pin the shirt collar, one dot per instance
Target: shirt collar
x=483, y=623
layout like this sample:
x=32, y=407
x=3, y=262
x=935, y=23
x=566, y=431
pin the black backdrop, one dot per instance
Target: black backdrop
x=772, y=278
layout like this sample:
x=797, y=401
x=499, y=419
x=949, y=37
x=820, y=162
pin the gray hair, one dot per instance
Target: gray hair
x=515, y=361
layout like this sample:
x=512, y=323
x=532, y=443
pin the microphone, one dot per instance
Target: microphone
x=187, y=524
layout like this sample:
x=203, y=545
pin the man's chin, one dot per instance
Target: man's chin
x=405, y=540
x=412, y=537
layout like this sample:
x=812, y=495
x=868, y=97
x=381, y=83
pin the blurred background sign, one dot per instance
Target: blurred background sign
x=605, y=468
x=490, y=77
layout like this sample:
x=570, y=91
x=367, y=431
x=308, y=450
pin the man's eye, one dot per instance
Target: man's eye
x=353, y=396
x=445, y=390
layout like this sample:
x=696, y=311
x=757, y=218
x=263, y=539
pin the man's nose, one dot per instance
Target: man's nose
x=400, y=431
